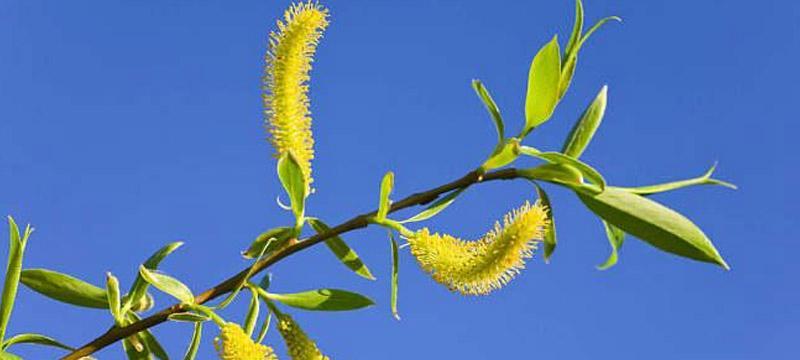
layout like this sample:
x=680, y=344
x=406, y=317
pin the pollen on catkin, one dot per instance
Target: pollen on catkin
x=286, y=78
x=482, y=266
x=234, y=344
x=298, y=344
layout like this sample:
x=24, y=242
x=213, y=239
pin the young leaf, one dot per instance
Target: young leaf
x=554, y=173
x=704, y=179
x=188, y=317
x=615, y=237
x=38, y=339
x=435, y=208
x=168, y=285
x=543, y=85
x=269, y=241
x=194, y=344
x=152, y=344
x=550, y=240
x=491, y=107
x=322, y=300
x=577, y=29
x=653, y=223
x=138, y=291
x=64, y=288
x=8, y=356
x=395, y=273
x=293, y=181
x=584, y=129
x=504, y=153
x=16, y=250
x=594, y=28
x=266, y=280
x=113, y=296
x=252, y=312
x=558, y=158
x=387, y=184
x=134, y=349
x=264, y=328
x=344, y=253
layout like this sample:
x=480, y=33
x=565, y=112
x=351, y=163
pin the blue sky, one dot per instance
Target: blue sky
x=128, y=125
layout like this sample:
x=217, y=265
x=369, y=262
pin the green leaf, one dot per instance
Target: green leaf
x=555, y=173
x=594, y=28
x=704, y=179
x=168, y=285
x=435, y=208
x=615, y=237
x=135, y=349
x=577, y=29
x=153, y=346
x=138, y=291
x=113, y=296
x=344, y=253
x=653, y=223
x=252, y=313
x=491, y=107
x=265, y=281
x=30, y=338
x=16, y=251
x=64, y=288
x=272, y=239
x=550, y=240
x=322, y=300
x=504, y=153
x=387, y=184
x=194, y=344
x=395, y=273
x=264, y=328
x=293, y=181
x=558, y=158
x=543, y=85
x=188, y=317
x=584, y=129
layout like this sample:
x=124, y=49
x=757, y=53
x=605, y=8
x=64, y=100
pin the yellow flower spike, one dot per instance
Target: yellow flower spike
x=482, y=266
x=299, y=345
x=234, y=344
x=291, y=51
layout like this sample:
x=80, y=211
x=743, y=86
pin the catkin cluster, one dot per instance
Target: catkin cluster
x=298, y=344
x=234, y=344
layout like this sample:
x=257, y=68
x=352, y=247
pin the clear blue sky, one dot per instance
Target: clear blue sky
x=127, y=125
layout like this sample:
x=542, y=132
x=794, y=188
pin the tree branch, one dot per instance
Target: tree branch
x=115, y=333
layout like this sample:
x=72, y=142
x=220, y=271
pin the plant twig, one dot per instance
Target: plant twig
x=115, y=333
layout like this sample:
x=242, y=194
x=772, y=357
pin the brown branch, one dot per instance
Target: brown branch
x=361, y=221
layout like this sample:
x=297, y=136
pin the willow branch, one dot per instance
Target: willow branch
x=115, y=333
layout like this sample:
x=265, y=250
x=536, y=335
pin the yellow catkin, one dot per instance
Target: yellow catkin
x=286, y=78
x=234, y=344
x=479, y=267
x=298, y=344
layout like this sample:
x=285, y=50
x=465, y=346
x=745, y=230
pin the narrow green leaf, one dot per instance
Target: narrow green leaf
x=653, y=223
x=615, y=237
x=152, y=344
x=491, y=107
x=322, y=300
x=39, y=339
x=577, y=29
x=133, y=350
x=387, y=184
x=264, y=328
x=266, y=280
x=188, y=317
x=558, y=158
x=16, y=251
x=194, y=344
x=550, y=240
x=138, y=291
x=8, y=356
x=584, y=129
x=269, y=241
x=343, y=252
x=113, y=296
x=543, y=85
x=168, y=285
x=395, y=275
x=567, y=73
x=293, y=181
x=64, y=288
x=252, y=312
x=704, y=179
x=554, y=173
x=596, y=26
x=435, y=208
